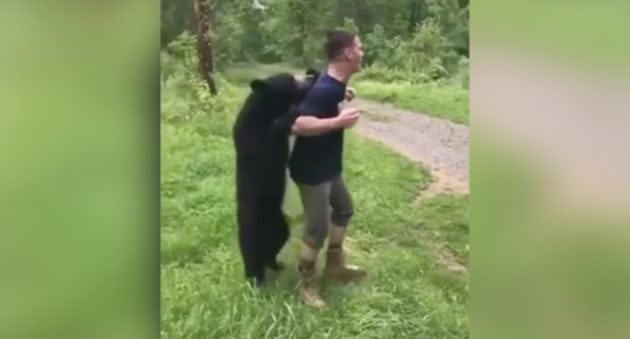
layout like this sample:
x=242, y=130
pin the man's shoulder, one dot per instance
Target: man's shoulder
x=327, y=80
x=327, y=85
x=321, y=96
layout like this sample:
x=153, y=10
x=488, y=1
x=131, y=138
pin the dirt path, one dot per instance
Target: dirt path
x=439, y=145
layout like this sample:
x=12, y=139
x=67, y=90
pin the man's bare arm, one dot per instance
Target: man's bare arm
x=307, y=126
x=311, y=126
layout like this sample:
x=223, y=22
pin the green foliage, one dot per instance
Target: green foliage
x=427, y=41
x=426, y=55
x=187, y=100
x=350, y=25
x=176, y=17
x=183, y=48
x=375, y=45
x=423, y=54
x=463, y=72
x=428, y=50
x=228, y=36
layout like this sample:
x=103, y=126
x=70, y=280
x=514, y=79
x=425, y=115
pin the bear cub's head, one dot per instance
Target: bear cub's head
x=284, y=89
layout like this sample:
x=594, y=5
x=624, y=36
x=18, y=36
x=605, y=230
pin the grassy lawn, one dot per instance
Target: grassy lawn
x=439, y=100
x=407, y=293
x=442, y=101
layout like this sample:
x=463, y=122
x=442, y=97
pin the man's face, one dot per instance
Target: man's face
x=354, y=54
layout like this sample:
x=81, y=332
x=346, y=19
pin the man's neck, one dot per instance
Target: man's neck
x=339, y=72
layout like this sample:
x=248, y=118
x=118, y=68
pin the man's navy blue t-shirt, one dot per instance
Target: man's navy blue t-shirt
x=316, y=159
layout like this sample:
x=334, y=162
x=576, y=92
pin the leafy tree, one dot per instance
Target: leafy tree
x=414, y=40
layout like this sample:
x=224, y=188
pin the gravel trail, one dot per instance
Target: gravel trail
x=439, y=145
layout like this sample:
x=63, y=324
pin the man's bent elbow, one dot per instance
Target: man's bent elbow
x=300, y=126
x=297, y=128
x=310, y=126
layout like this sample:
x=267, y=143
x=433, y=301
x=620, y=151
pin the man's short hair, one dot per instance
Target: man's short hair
x=336, y=41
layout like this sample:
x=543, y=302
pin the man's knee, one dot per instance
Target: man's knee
x=341, y=203
x=342, y=217
x=315, y=237
x=315, y=201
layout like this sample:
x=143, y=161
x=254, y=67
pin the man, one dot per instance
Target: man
x=316, y=165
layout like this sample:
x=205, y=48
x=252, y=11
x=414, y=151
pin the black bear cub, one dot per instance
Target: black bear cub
x=261, y=138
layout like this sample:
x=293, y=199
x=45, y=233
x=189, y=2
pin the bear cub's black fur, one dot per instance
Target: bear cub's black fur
x=261, y=139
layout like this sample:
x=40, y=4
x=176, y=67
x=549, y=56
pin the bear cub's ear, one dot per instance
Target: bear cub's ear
x=257, y=84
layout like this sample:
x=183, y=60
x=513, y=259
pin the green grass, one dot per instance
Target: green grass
x=444, y=219
x=407, y=294
x=442, y=101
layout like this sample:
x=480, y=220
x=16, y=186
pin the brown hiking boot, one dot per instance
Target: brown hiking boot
x=337, y=269
x=308, y=290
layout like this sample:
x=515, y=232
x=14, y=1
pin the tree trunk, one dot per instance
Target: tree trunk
x=204, y=43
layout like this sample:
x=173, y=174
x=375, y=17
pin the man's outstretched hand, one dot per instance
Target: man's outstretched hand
x=347, y=117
